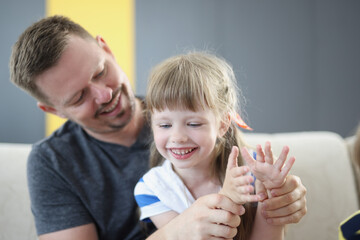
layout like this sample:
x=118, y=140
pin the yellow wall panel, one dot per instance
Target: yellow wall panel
x=112, y=19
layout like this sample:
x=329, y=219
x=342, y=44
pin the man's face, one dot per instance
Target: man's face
x=87, y=86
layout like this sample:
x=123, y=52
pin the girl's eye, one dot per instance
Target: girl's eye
x=164, y=125
x=194, y=124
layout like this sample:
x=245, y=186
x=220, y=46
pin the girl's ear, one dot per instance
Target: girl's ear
x=224, y=125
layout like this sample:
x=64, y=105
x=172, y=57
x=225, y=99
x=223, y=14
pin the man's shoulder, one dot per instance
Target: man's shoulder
x=67, y=136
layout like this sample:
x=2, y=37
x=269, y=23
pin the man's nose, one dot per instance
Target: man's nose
x=102, y=93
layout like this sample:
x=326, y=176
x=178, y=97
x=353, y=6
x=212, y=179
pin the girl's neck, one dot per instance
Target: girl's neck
x=199, y=182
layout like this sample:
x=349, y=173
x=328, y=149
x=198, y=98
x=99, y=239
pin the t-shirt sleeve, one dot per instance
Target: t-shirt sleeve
x=54, y=205
x=148, y=202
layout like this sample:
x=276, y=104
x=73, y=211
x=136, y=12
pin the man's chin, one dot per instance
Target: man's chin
x=113, y=126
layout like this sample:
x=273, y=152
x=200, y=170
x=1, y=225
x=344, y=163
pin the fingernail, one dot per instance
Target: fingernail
x=242, y=211
x=262, y=196
x=263, y=212
x=269, y=220
x=273, y=193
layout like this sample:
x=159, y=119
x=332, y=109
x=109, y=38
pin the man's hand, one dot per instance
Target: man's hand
x=209, y=217
x=288, y=203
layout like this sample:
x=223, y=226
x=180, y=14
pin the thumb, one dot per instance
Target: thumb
x=233, y=158
x=261, y=190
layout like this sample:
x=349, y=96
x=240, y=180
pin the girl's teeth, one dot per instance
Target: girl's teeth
x=182, y=152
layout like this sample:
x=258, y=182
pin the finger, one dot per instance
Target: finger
x=218, y=201
x=251, y=198
x=291, y=183
x=220, y=216
x=288, y=166
x=268, y=153
x=289, y=214
x=282, y=158
x=260, y=156
x=220, y=231
x=250, y=161
x=239, y=172
x=294, y=218
x=283, y=200
x=247, y=189
x=261, y=190
x=232, y=161
x=286, y=210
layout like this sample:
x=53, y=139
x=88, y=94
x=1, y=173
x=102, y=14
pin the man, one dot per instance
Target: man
x=81, y=178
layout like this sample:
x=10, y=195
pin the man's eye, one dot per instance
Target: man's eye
x=100, y=74
x=164, y=125
x=81, y=97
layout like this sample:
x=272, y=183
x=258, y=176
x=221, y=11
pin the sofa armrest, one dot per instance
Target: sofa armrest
x=16, y=220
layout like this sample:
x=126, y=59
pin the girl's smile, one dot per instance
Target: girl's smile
x=182, y=153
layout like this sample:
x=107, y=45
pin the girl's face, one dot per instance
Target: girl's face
x=186, y=138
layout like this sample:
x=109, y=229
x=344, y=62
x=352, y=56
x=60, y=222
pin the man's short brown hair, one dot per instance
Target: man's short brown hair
x=39, y=48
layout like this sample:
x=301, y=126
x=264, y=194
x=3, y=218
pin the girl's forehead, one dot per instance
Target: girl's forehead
x=181, y=106
x=182, y=114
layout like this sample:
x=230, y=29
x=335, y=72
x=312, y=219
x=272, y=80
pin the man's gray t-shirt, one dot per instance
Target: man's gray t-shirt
x=75, y=179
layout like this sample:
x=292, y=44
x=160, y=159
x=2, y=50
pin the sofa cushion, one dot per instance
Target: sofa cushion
x=323, y=164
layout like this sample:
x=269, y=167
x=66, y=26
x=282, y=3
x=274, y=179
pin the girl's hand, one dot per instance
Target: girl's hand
x=271, y=174
x=237, y=185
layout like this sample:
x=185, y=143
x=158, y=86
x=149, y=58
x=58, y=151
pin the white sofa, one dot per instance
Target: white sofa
x=322, y=162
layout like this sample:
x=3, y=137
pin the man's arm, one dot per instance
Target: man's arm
x=84, y=232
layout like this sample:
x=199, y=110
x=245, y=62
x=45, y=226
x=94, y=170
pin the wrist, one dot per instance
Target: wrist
x=167, y=232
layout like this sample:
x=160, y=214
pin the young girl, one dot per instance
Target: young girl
x=192, y=100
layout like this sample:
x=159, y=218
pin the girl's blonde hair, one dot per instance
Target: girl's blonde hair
x=196, y=81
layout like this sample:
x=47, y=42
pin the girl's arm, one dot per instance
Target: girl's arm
x=163, y=218
x=264, y=230
x=270, y=175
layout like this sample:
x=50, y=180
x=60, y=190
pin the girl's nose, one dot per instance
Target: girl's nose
x=178, y=136
x=102, y=93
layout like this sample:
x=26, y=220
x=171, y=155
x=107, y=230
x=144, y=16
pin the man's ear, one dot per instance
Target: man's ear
x=104, y=45
x=49, y=109
x=224, y=125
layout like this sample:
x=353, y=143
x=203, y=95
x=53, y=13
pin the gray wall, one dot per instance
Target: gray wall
x=20, y=120
x=297, y=62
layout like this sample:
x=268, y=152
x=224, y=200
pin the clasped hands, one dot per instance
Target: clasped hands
x=272, y=181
